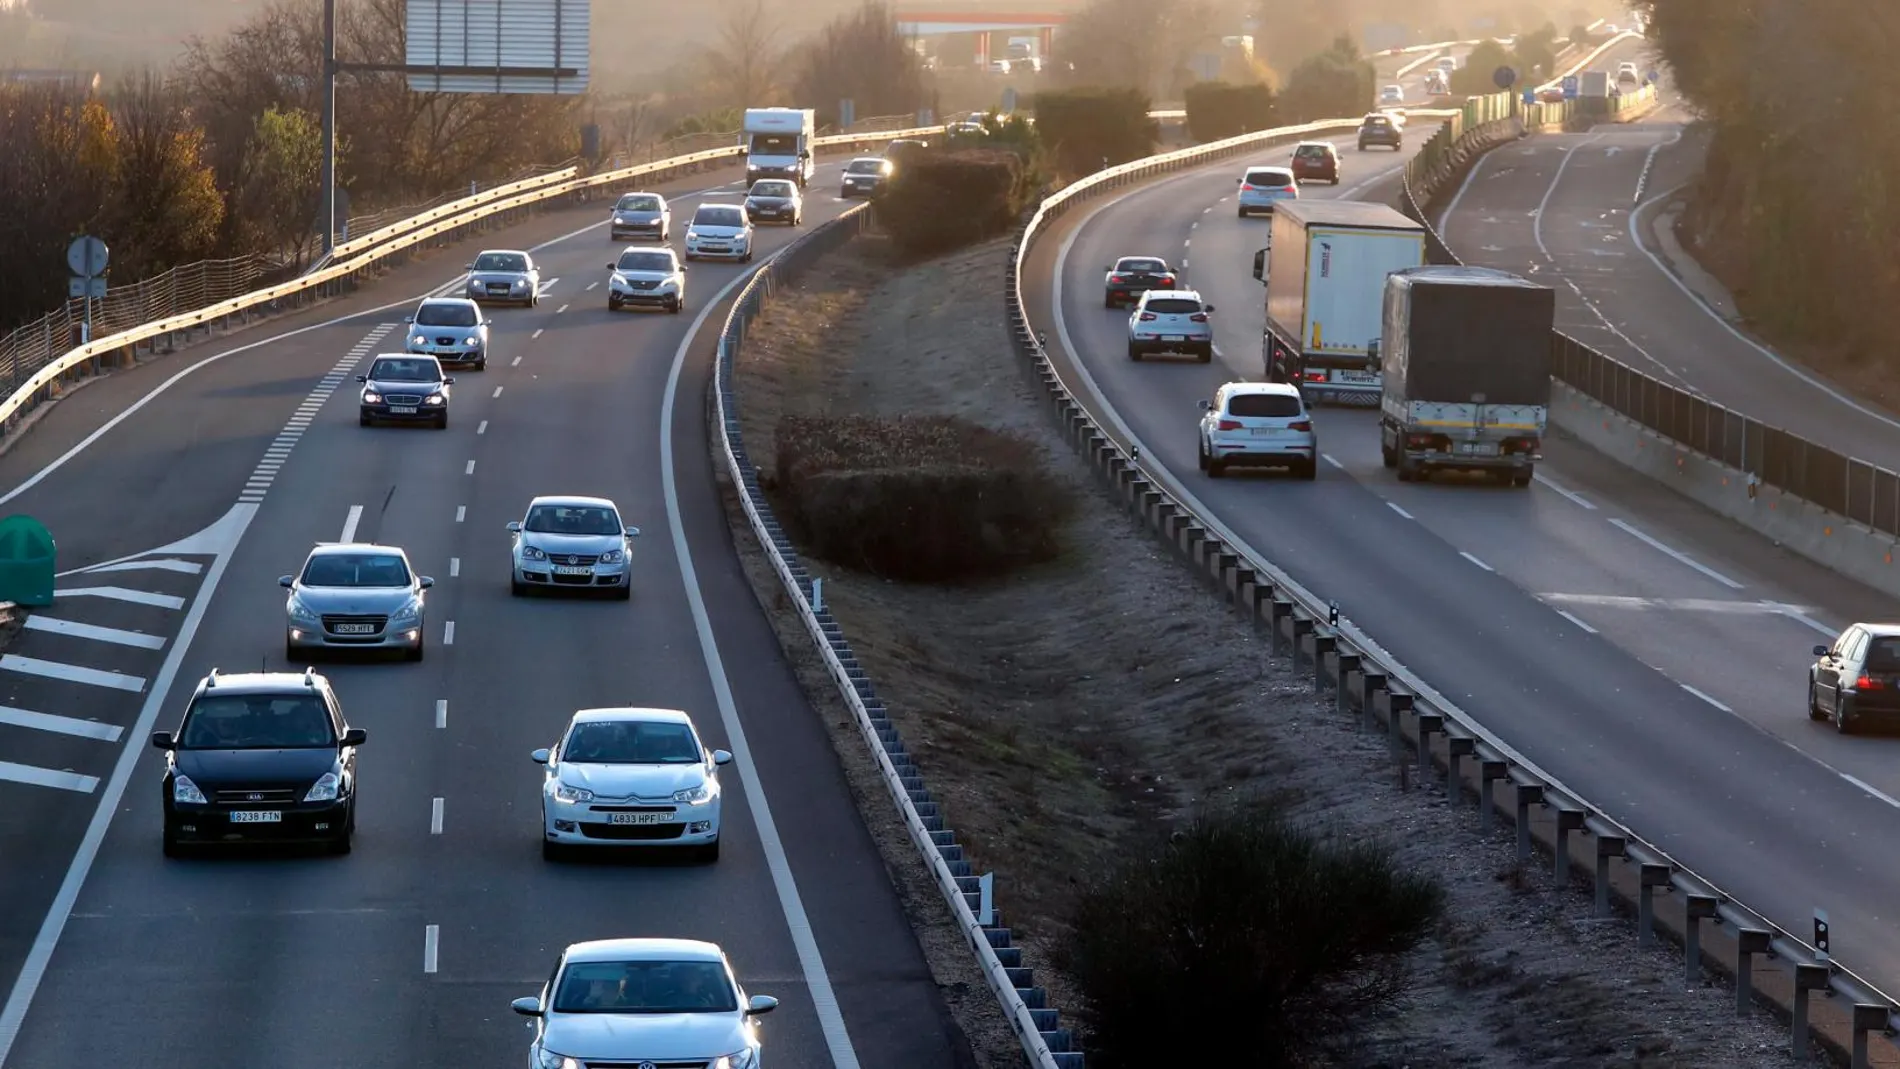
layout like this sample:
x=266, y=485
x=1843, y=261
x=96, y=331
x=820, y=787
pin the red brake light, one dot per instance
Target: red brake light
x=1147, y=317
x=1198, y=317
x=1290, y=189
x=1116, y=278
x=1230, y=425
x=1300, y=425
x=1313, y=376
x=1245, y=188
x=1169, y=279
x=1867, y=682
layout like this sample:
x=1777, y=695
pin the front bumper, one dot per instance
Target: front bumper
x=383, y=411
x=617, y=230
x=540, y=573
x=786, y=214
x=484, y=293
x=451, y=355
x=656, y=297
x=303, y=822
x=589, y=824
x=857, y=188
x=306, y=635
x=729, y=252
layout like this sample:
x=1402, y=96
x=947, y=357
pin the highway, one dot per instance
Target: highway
x=408, y=951
x=1643, y=652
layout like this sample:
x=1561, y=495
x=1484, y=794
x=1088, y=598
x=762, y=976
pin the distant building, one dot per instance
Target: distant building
x=87, y=80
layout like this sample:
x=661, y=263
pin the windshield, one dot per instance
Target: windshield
x=445, y=315
x=256, y=722
x=772, y=189
x=1172, y=306
x=356, y=569
x=1152, y=267
x=865, y=166
x=645, y=987
x=634, y=202
x=722, y=215
x=502, y=261
x=774, y=144
x=398, y=370
x=645, y=261
x=630, y=742
x=1263, y=404
x=572, y=520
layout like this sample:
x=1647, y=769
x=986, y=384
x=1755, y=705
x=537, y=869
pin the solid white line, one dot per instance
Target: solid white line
x=435, y=817
x=119, y=593
x=71, y=673
x=76, y=629
x=811, y=961
x=482, y=427
x=349, y=524
x=1328, y=458
x=470, y=470
x=1675, y=554
x=461, y=513
x=1575, y=498
x=1870, y=789
x=1576, y=621
x=1393, y=505
x=1476, y=561
x=1812, y=623
x=448, y=633
x=62, y=725
x=33, y=969
x=431, y=947
x=455, y=567
x=1705, y=697
x=441, y=712
x=167, y=564
x=1458, y=198
x=497, y=392
x=41, y=777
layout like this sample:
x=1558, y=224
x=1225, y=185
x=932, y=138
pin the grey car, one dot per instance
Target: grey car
x=775, y=200
x=451, y=329
x=641, y=215
x=504, y=275
x=355, y=596
x=572, y=543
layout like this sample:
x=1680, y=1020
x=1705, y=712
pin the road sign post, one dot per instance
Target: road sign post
x=847, y=114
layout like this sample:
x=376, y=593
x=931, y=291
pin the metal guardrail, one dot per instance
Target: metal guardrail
x=1044, y=1043
x=372, y=251
x=1417, y=719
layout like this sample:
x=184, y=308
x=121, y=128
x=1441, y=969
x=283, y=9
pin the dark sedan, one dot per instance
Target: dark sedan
x=1379, y=129
x=1133, y=276
x=864, y=176
x=261, y=757
x=1855, y=682
x=405, y=389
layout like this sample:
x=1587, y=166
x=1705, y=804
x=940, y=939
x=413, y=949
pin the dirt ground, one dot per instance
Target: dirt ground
x=1058, y=712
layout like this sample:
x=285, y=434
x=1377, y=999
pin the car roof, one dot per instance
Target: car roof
x=573, y=501
x=502, y=252
x=1880, y=630
x=404, y=356
x=1313, y=144
x=668, y=249
x=869, y=159
x=1281, y=167
x=632, y=712
x=1188, y=294
x=260, y=682
x=1278, y=389
x=642, y=193
x=645, y=949
x=1141, y=256
x=450, y=300
x=337, y=549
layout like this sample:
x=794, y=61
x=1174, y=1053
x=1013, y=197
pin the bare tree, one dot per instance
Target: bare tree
x=744, y=66
x=862, y=58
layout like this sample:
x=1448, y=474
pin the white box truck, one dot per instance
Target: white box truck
x=1465, y=354
x=778, y=144
x=1325, y=276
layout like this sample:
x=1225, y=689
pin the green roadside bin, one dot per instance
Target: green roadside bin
x=26, y=561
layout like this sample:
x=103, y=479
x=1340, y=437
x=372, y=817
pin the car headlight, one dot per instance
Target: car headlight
x=471, y=340
x=532, y=553
x=418, y=340
x=324, y=790
x=617, y=279
x=699, y=795
x=434, y=399
x=612, y=556
x=573, y=794
x=519, y=283
x=407, y=614
x=371, y=397
x=745, y=1059
x=550, y=1060
x=300, y=612
x=186, y=792
x=692, y=237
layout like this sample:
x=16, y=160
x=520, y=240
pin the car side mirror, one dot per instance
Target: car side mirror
x=804, y=154
x=162, y=740
x=427, y=582
x=468, y=267
x=1819, y=651
x=541, y=756
x=1207, y=308
x=527, y=1007
x=362, y=378
x=760, y=1004
x=1206, y=405
x=408, y=319
x=355, y=736
x=514, y=526
x=286, y=581
x=613, y=267
x=1260, y=265
x=633, y=532
x=722, y=757
x=448, y=380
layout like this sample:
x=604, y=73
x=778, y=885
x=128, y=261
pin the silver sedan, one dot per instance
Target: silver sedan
x=355, y=596
x=572, y=543
x=504, y=275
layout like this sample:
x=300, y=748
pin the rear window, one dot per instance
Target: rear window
x=1263, y=404
x=1149, y=266
x=1270, y=178
x=1313, y=152
x=1883, y=656
x=1377, y=120
x=1173, y=306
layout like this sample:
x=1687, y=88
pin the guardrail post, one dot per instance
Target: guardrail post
x=1457, y=748
x=1748, y=943
x=1246, y=592
x=1490, y=770
x=1807, y=978
x=1371, y=685
x=1568, y=820
x=1396, y=706
x=1302, y=627
x=1281, y=609
x=1323, y=643
x=1347, y=665
x=1528, y=794
x=1650, y=877
x=1608, y=847
x=1696, y=909
x=1868, y=1017
x=1429, y=724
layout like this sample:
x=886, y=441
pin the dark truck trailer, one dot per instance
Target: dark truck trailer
x=1325, y=277
x=1465, y=356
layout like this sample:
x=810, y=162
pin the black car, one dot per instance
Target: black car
x=261, y=757
x=864, y=175
x=1380, y=130
x=1856, y=681
x=1134, y=275
x=405, y=388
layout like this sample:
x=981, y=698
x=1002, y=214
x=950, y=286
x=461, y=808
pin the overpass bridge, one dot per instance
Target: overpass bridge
x=985, y=19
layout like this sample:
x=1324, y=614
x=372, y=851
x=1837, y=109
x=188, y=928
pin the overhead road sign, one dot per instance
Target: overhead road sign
x=535, y=47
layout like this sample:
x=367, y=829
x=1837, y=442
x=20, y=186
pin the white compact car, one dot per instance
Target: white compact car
x=719, y=232
x=1261, y=187
x=631, y=777
x=1258, y=424
x=646, y=277
x=1391, y=94
x=649, y=1003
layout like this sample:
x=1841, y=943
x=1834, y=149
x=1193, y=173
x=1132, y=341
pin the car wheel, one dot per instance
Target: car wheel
x=624, y=592
x=613, y=303
x=710, y=852
x=1134, y=353
x=1362, y=146
x=550, y=851
x=362, y=420
x=1108, y=301
x=1335, y=180
x=748, y=257
x=1309, y=470
x=415, y=654
x=1521, y=479
x=1387, y=457
x=172, y=847
x=517, y=588
x=1200, y=455
x=1206, y=356
x=1216, y=468
x=1240, y=213
x=343, y=843
x=1840, y=717
x=1814, y=704
x=482, y=364
x=676, y=306
x=442, y=422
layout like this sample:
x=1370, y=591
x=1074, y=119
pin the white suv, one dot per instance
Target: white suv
x=1258, y=424
x=1171, y=321
x=1260, y=187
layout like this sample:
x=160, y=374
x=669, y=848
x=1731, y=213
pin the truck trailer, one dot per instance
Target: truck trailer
x=778, y=144
x=1325, y=276
x=1465, y=356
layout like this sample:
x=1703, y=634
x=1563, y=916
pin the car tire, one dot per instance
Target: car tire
x=1308, y=471
x=1240, y=213
x=415, y=654
x=690, y=258
x=1814, y=703
x=1108, y=301
x=1200, y=454
x=1520, y=480
x=1387, y=456
x=710, y=852
x=517, y=588
x=1216, y=468
x=362, y=420
x=1205, y=356
x=344, y=843
x=677, y=306
x=551, y=851
x=170, y=846
x=1840, y=717
x=748, y=257
x=613, y=303
x=1406, y=472
x=624, y=593
x=1335, y=180
x=482, y=364
x=442, y=422
x=1362, y=146
x=1134, y=354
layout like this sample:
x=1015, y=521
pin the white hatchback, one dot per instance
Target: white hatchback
x=1258, y=424
x=1261, y=187
x=719, y=232
x=631, y=777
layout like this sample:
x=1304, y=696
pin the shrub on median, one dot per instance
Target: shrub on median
x=1083, y=129
x=1217, y=110
x=923, y=499
x=940, y=201
x=1243, y=916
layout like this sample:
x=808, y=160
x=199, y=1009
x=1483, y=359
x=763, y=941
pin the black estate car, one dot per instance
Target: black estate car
x=405, y=388
x=261, y=757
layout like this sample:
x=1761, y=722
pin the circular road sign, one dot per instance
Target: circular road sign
x=1504, y=77
x=88, y=256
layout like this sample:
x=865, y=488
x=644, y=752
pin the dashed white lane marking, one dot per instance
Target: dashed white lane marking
x=1705, y=697
x=71, y=673
x=516, y=362
x=561, y=309
x=1869, y=788
x=470, y=470
x=1476, y=561
x=1812, y=623
x=591, y=285
x=482, y=427
x=461, y=513
x=1710, y=605
x=441, y=712
x=1674, y=554
x=1574, y=497
x=435, y=817
x=119, y=593
x=1328, y=458
x=47, y=777
x=1394, y=506
x=1573, y=619
x=448, y=633
x=59, y=725
x=94, y=632
x=531, y=337
x=497, y=392
x=431, y=947
x=350, y=523
x=455, y=567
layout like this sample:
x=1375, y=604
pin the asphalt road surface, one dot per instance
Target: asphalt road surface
x=1643, y=652
x=408, y=951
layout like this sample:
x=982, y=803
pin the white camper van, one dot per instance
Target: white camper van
x=778, y=144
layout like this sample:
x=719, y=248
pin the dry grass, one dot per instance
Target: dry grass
x=1058, y=712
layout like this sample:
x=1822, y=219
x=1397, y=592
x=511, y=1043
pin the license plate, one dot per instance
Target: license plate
x=1357, y=376
x=256, y=816
x=1478, y=449
x=572, y=569
x=639, y=818
x=1265, y=432
x=355, y=629
x=403, y=410
x=1174, y=337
